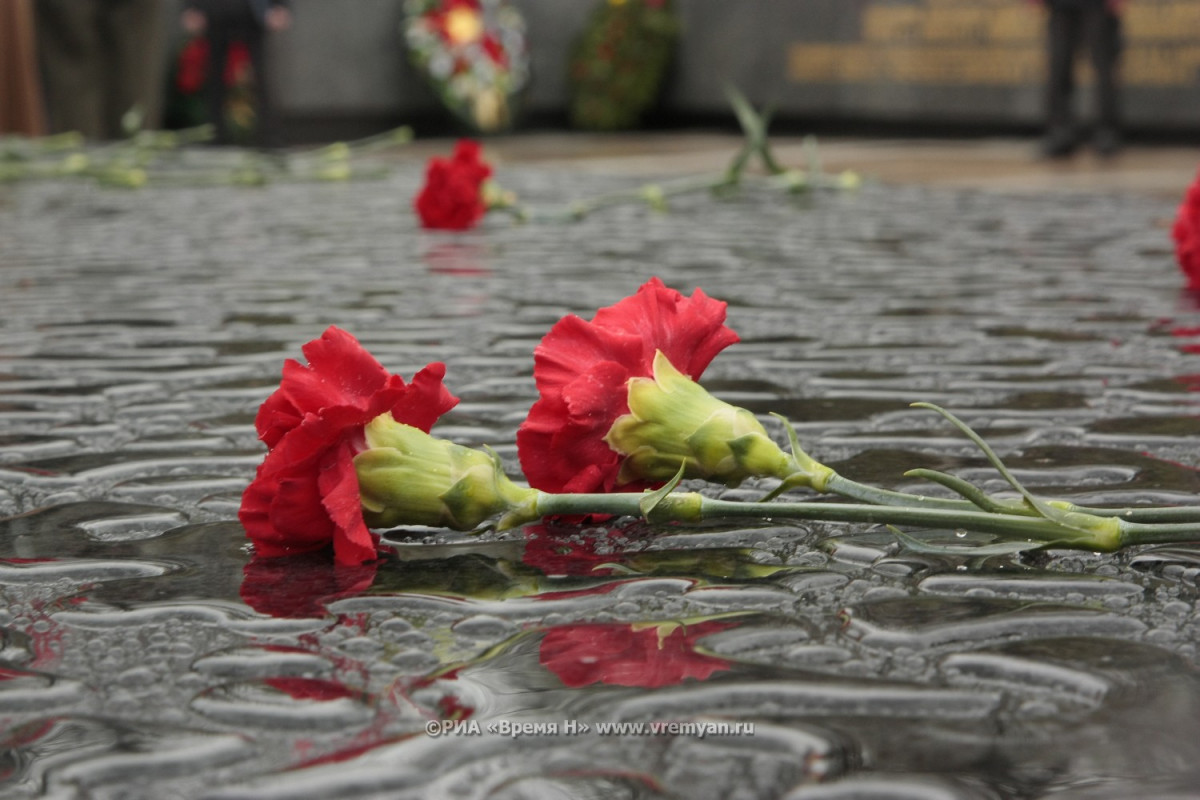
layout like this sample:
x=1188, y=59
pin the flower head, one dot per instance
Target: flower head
x=582, y=370
x=648, y=656
x=453, y=195
x=305, y=495
x=1186, y=234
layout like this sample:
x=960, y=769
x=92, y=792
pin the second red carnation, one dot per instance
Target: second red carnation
x=452, y=197
x=582, y=369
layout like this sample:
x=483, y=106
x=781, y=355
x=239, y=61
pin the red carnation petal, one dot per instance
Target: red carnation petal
x=690, y=331
x=353, y=544
x=340, y=372
x=573, y=346
x=590, y=395
x=425, y=399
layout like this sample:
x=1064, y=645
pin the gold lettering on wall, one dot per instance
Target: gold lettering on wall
x=993, y=42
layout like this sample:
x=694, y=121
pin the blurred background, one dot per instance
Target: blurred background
x=959, y=67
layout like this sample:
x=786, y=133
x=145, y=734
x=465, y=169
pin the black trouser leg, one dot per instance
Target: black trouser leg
x=265, y=133
x=1103, y=31
x=1064, y=36
x=214, y=83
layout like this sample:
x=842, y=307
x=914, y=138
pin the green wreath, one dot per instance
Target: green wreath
x=619, y=62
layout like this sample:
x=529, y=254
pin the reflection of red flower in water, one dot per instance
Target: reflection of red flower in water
x=582, y=368
x=297, y=586
x=305, y=495
x=568, y=550
x=456, y=258
x=1186, y=233
x=630, y=655
x=452, y=197
x=1187, y=332
x=313, y=689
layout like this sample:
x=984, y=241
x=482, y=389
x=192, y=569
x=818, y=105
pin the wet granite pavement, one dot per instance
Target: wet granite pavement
x=146, y=654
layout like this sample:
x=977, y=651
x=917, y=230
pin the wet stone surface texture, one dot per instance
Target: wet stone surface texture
x=145, y=653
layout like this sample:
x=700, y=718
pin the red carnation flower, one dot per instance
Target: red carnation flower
x=452, y=197
x=305, y=495
x=629, y=655
x=1187, y=235
x=582, y=368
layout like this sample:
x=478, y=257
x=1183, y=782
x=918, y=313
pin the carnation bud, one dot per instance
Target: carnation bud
x=407, y=477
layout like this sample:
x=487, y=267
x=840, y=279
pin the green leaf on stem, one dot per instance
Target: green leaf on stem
x=967, y=490
x=650, y=500
x=1044, y=509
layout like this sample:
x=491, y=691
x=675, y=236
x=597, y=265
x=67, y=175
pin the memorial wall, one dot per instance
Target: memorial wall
x=938, y=61
x=956, y=61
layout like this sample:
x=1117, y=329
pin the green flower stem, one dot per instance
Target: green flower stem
x=1179, y=515
x=582, y=208
x=1078, y=530
x=1166, y=533
x=863, y=493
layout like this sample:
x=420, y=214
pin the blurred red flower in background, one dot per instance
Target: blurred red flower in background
x=452, y=197
x=1186, y=234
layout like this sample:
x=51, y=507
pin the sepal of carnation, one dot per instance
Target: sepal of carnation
x=674, y=421
x=407, y=477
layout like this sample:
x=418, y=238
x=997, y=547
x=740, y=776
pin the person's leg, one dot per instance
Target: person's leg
x=21, y=101
x=70, y=51
x=134, y=35
x=1063, y=35
x=214, y=81
x=265, y=134
x=1104, y=42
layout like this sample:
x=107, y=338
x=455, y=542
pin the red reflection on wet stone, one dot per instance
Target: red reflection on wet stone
x=568, y=552
x=313, y=689
x=646, y=656
x=299, y=586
